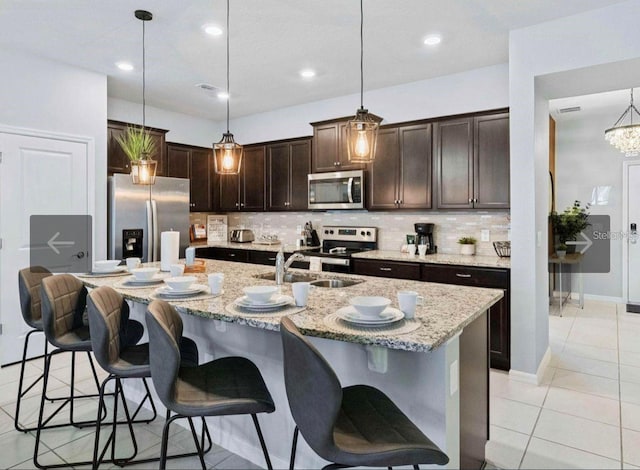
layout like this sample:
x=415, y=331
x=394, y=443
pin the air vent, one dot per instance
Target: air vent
x=572, y=109
x=207, y=87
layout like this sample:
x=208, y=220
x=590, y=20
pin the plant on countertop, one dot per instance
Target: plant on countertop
x=467, y=241
x=137, y=143
x=568, y=224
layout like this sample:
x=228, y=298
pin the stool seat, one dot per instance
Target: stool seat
x=77, y=339
x=231, y=385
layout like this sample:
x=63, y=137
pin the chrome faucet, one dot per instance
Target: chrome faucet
x=282, y=266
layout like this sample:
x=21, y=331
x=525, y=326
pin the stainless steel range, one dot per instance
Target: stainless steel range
x=339, y=243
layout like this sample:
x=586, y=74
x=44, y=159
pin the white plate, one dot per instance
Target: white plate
x=132, y=281
x=351, y=315
x=275, y=303
x=167, y=291
x=118, y=269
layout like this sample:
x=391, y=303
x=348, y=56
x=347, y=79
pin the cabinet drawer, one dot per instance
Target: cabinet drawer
x=263, y=257
x=391, y=269
x=466, y=276
x=225, y=254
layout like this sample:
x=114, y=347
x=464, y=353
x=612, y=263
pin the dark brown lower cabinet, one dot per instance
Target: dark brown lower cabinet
x=393, y=269
x=224, y=254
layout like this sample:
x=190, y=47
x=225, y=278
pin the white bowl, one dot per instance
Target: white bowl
x=144, y=274
x=180, y=283
x=106, y=265
x=370, y=306
x=260, y=294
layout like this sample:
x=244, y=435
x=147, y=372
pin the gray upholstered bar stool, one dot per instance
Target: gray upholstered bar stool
x=352, y=426
x=226, y=386
x=108, y=321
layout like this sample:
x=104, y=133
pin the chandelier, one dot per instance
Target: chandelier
x=625, y=138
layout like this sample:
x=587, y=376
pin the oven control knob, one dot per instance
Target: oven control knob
x=326, y=232
x=362, y=233
x=331, y=232
x=368, y=234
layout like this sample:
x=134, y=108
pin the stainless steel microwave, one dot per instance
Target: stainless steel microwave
x=336, y=190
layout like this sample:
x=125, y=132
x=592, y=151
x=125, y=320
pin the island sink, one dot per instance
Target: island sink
x=335, y=283
x=288, y=277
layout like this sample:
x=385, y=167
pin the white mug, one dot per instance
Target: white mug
x=407, y=301
x=411, y=249
x=176, y=270
x=132, y=263
x=301, y=293
x=422, y=250
x=215, y=282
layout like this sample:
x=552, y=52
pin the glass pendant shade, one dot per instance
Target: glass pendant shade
x=362, y=135
x=143, y=171
x=227, y=155
x=625, y=138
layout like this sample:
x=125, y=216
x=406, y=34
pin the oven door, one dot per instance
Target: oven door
x=337, y=190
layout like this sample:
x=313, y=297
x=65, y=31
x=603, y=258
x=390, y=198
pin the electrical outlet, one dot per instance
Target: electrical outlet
x=485, y=235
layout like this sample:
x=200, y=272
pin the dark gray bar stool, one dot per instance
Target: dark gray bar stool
x=352, y=426
x=226, y=386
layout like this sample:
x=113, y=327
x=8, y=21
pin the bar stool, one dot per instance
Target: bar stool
x=108, y=320
x=29, y=282
x=352, y=426
x=226, y=386
x=63, y=304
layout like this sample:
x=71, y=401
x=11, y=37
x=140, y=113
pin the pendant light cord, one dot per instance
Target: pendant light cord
x=228, y=93
x=361, y=56
x=143, y=78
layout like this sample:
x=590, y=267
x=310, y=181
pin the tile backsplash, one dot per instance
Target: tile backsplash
x=392, y=226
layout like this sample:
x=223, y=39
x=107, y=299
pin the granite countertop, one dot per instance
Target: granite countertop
x=446, y=311
x=461, y=260
x=252, y=246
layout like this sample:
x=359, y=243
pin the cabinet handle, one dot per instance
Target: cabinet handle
x=232, y=255
x=242, y=204
x=400, y=201
x=237, y=204
x=470, y=200
x=463, y=275
x=475, y=199
x=385, y=269
x=338, y=163
x=271, y=259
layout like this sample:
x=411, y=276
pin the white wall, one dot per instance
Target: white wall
x=584, y=160
x=182, y=128
x=557, y=46
x=475, y=90
x=44, y=95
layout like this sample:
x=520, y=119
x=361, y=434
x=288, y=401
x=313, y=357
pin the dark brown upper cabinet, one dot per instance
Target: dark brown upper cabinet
x=400, y=176
x=117, y=160
x=195, y=163
x=246, y=191
x=472, y=162
x=288, y=164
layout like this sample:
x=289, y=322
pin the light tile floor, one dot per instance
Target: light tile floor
x=586, y=411
x=68, y=444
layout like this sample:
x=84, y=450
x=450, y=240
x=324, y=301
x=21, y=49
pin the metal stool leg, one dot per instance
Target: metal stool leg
x=262, y=444
x=294, y=446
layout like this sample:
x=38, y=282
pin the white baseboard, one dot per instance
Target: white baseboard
x=535, y=379
x=601, y=298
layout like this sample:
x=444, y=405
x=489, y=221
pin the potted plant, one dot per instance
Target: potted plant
x=138, y=145
x=561, y=250
x=467, y=245
x=568, y=224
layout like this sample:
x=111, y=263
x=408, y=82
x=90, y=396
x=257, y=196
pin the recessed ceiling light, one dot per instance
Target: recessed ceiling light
x=307, y=73
x=223, y=95
x=126, y=66
x=432, y=40
x=212, y=29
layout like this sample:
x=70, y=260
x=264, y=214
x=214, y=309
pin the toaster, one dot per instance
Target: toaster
x=241, y=236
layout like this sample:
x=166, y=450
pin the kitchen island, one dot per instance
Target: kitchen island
x=437, y=373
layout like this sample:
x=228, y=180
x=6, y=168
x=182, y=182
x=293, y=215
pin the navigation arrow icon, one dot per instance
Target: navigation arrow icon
x=587, y=242
x=52, y=243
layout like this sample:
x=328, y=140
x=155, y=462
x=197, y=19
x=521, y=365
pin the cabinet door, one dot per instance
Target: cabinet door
x=177, y=161
x=201, y=169
x=385, y=171
x=454, y=164
x=415, y=167
x=300, y=167
x=491, y=161
x=117, y=160
x=252, y=189
x=392, y=269
x=278, y=177
x=325, y=147
x=500, y=333
x=229, y=192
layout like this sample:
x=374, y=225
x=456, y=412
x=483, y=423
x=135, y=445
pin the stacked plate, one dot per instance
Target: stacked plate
x=387, y=317
x=169, y=293
x=275, y=303
x=132, y=281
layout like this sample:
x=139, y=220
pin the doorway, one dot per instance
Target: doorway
x=631, y=241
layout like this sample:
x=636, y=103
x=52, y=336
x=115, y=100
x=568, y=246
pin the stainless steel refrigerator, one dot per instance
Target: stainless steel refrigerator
x=137, y=216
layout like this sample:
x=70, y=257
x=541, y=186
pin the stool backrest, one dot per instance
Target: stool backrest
x=164, y=326
x=108, y=316
x=313, y=389
x=29, y=283
x=64, y=299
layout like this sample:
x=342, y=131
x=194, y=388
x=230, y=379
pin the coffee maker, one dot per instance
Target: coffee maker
x=424, y=236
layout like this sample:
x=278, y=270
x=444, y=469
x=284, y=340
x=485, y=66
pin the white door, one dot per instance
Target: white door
x=38, y=176
x=633, y=217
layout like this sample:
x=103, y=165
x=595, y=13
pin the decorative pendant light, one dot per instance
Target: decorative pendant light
x=625, y=138
x=227, y=153
x=362, y=130
x=143, y=170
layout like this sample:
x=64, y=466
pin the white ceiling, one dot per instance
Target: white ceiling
x=271, y=41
